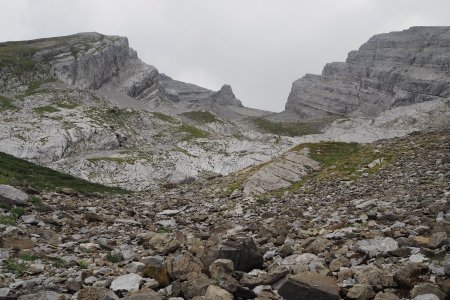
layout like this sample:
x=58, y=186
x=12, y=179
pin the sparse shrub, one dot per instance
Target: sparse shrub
x=114, y=257
x=83, y=264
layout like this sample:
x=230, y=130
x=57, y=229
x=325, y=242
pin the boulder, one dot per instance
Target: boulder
x=129, y=282
x=144, y=295
x=308, y=285
x=377, y=245
x=12, y=196
x=43, y=295
x=243, y=252
x=409, y=275
x=180, y=265
x=360, y=292
x=427, y=288
x=195, y=285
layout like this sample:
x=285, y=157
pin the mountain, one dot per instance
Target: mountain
x=87, y=105
x=390, y=70
x=208, y=199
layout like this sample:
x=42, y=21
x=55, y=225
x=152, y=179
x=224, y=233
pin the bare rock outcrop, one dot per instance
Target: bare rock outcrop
x=390, y=70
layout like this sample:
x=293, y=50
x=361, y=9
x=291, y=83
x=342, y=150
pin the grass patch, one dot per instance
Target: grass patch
x=201, y=116
x=193, y=132
x=232, y=187
x=42, y=178
x=340, y=160
x=45, y=109
x=66, y=105
x=6, y=104
x=164, y=117
x=83, y=264
x=283, y=128
x=17, y=54
x=16, y=267
x=28, y=257
x=14, y=214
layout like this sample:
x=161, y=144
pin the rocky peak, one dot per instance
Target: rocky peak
x=225, y=96
x=390, y=70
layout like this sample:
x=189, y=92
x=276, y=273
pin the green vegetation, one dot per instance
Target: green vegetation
x=83, y=264
x=42, y=178
x=28, y=256
x=18, y=54
x=45, y=109
x=113, y=257
x=193, y=132
x=232, y=187
x=341, y=160
x=283, y=128
x=164, y=117
x=201, y=116
x=66, y=104
x=36, y=200
x=16, y=267
x=14, y=214
x=163, y=229
x=6, y=104
x=59, y=263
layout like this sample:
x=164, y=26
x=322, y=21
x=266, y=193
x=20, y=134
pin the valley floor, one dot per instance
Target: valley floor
x=375, y=233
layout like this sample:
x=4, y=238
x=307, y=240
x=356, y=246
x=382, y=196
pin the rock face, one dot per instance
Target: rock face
x=390, y=70
x=192, y=95
x=280, y=173
x=225, y=96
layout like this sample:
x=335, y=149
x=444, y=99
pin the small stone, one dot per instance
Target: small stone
x=408, y=276
x=377, y=245
x=338, y=263
x=90, y=280
x=127, y=252
x=360, y=292
x=92, y=217
x=74, y=284
x=168, y=212
x=43, y=295
x=447, y=266
x=4, y=292
x=216, y=293
x=29, y=219
x=129, y=282
x=386, y=296
x=427, y=288
x=426, y=297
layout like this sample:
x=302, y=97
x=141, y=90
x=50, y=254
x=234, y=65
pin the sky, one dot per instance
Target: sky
x=258, y=46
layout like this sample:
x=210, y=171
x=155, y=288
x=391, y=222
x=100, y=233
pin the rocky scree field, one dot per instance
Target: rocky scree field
x=370, y=222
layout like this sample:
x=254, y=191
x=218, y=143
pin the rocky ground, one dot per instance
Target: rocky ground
x=376, y=231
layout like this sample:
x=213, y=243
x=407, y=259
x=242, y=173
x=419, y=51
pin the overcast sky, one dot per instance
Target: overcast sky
x=258, y=46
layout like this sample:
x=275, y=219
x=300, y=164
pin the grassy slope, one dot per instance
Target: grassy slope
x=42, y=178
x=283, y=128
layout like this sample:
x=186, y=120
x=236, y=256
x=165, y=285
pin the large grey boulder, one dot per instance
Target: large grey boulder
x=43, y=295
x=309, y=285
x=390, y=70
x=12, y=196
x=129, y=283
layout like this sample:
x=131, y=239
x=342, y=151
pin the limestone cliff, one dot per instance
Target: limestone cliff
x=390, y=70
